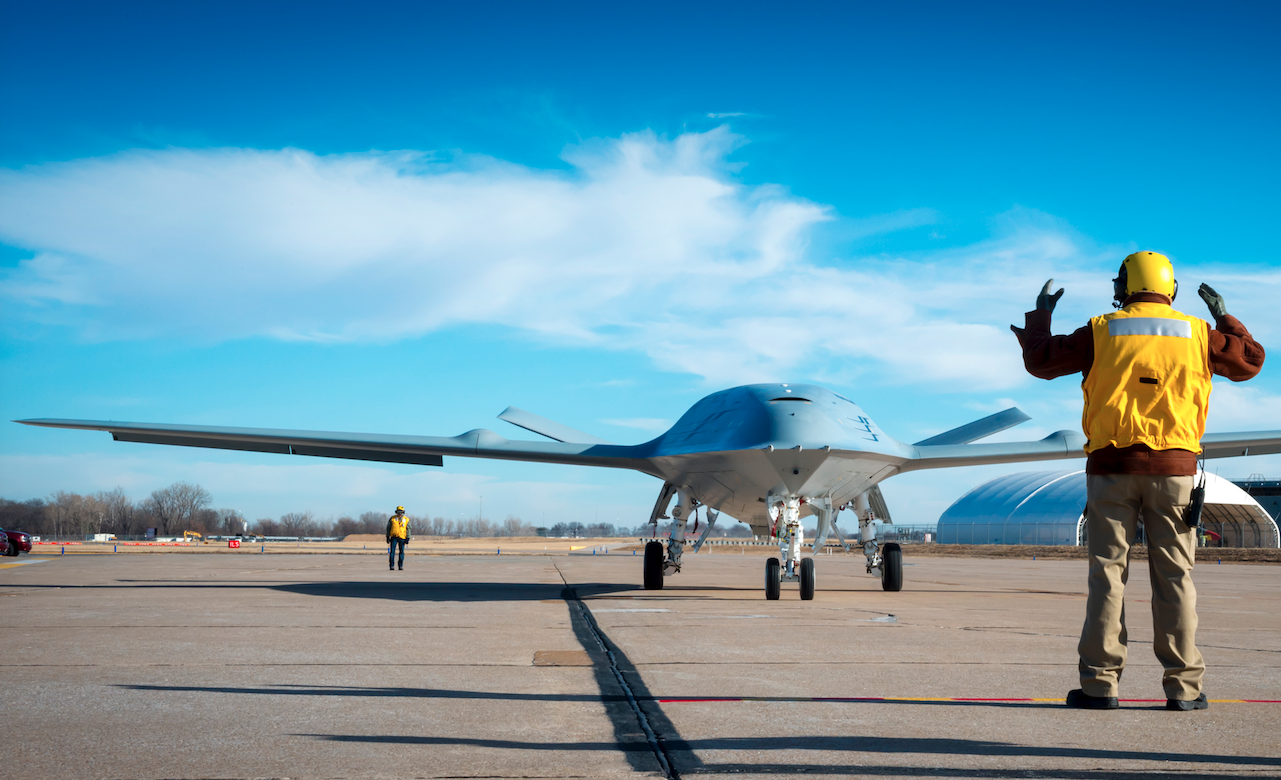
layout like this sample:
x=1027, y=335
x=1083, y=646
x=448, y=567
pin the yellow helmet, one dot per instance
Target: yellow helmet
x=1145, y=272
x=400, y=509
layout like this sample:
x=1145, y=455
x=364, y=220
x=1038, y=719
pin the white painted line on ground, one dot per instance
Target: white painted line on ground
x=631, y=610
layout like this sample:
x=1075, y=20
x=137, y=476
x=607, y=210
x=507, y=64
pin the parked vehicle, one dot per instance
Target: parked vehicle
x=18, y=542
x=4, y=548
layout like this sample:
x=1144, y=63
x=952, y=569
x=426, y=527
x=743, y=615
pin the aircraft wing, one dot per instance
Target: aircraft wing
x=1231, y=445
x=386, y=448
x=1070, y=444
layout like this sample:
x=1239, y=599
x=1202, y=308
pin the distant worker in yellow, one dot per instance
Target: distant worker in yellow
x=397, y=537
x=1146, y=378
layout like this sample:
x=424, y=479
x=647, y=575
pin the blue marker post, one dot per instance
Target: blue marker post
x=500, y=551
x=64, y=550
x=113, y=548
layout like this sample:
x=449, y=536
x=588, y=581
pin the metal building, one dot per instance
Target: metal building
x=1266, y=491
x=1045, y=507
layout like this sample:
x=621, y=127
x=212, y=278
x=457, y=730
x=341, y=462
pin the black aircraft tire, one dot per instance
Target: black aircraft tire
x=892, y=567
x=654, y=565
x=808, y=579
x=773, y=586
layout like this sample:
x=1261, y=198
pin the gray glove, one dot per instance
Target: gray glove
x=1215, y=301
x=1046, y=301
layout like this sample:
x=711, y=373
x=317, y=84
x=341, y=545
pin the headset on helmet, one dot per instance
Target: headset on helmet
x=1144, y=272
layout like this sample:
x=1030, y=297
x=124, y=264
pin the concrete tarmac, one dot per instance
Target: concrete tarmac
x=322, y=666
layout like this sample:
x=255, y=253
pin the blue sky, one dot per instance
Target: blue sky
x=403, y=218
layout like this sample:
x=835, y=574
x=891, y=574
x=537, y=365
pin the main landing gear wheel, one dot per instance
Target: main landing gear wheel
x=807, y=579
x=891, y=567
x=772, y=585
x=653, y=566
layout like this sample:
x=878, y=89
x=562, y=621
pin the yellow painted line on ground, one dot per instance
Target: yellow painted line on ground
x=20, y=563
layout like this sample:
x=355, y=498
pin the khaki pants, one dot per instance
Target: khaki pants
x=1112, y=516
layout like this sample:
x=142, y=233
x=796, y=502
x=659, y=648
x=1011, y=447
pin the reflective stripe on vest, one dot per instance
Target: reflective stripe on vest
x=399, y=527
x=1150, y=381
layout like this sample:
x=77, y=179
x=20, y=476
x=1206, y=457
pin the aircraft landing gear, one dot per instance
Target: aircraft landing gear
x=654, y=566
x=660, y=562
x=773, y=586
x=774, y=576
x=789, y=566
x=808, y=579
x=885, y=560
x=891, y=567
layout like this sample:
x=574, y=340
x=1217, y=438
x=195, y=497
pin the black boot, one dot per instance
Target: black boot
x=1199, y=703
x=1079, y=699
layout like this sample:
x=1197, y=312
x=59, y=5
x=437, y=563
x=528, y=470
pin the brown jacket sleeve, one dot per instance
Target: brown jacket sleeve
x=1046, y=356
x=1233, y=351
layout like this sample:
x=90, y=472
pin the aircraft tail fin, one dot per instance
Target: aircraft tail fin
x=994, y=423
x=549, y=428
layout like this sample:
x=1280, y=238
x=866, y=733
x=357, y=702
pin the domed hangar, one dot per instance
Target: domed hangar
x=1045, y=507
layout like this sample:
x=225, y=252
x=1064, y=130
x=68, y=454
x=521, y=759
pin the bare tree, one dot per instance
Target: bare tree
x=73, y=514
x=30, y=516
x=176, y=507
x=267, y=527
x=231, y=522
x=298, y=524
x=373, y=523
x=118, y=512
x=345, y=526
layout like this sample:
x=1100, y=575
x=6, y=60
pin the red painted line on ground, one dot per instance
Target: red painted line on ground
x=701, y=699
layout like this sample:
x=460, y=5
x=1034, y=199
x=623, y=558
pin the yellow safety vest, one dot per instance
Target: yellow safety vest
x=400, y=527
x=1150, y=381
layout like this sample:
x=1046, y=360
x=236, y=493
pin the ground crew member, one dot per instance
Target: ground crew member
x=397, y=537
x=1146, y=382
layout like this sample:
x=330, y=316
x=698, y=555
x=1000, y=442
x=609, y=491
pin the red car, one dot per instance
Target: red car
x=18, y=542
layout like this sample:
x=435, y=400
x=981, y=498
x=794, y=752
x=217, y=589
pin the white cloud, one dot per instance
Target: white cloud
x=645, y=244
x=1240, y=407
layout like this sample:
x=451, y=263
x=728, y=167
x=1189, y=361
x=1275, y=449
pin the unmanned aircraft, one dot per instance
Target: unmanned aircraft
x=766, y=454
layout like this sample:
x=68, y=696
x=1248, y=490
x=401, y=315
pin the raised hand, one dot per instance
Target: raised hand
x=1047, y=300
x=1215, y=301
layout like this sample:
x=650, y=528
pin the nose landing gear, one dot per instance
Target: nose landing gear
x=773, y=587
x=808, y=579
x=792, y=567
